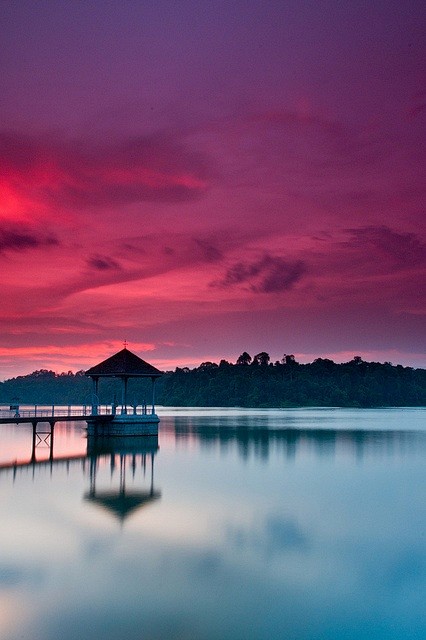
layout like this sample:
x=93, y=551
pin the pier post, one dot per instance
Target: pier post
x=52, y=427
x=34, y=442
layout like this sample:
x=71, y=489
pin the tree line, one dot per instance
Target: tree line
x=250, y=382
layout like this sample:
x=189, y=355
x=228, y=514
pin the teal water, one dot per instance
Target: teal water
x=234, y=525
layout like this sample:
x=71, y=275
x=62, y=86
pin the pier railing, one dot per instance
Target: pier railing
x=11, y=410
x=51, y=410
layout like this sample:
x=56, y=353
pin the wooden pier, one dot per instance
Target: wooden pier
x=51, y=413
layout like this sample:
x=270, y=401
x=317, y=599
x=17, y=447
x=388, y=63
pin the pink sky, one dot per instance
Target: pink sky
x=206, y=178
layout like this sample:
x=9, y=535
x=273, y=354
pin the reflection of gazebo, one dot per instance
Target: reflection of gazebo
x=125, y=365
x=129, y=455
x=121, y=504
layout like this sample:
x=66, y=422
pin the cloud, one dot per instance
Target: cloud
x=13, y=238
x=401, y=248
x=180, y=250
x=102, y=263
x=134, y=260
x=154, y=254
x=146, y=257
x=205, y=250
x=52, y=171
x=270, y=274
x=360, y=262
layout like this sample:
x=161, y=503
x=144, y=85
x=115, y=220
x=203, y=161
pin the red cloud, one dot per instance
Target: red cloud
x=46, y=172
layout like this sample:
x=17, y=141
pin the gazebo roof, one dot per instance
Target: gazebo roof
x=123, y=364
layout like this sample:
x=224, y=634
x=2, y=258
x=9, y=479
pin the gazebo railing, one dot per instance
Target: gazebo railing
x=135, y=409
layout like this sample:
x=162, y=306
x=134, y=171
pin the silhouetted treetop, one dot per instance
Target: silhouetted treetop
x=261, y=359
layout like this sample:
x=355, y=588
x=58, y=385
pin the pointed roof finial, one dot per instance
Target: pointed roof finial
x=125, y=343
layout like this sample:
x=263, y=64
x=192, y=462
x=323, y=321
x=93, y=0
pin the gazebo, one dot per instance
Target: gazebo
x=124, y=365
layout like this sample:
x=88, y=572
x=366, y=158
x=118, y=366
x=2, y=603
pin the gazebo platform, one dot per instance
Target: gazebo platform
x=124, y=425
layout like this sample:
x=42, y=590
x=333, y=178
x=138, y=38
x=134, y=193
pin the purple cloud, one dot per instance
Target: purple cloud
x=270, y=274
x=17, y=239
x=205, y=250
x=405, y=248
x=102, y=263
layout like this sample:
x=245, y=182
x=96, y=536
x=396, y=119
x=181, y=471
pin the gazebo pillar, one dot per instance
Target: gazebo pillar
x=124, y=396
x=95, y=399
x=153, y=395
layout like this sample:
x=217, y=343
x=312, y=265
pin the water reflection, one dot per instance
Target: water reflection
x=249, y=438
x=126, y=454
x=116, y=469
x=260, y=441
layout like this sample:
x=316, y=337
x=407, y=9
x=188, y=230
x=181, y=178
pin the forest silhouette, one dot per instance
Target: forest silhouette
x=250, y=382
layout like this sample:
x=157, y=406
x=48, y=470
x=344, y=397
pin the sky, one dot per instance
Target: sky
x=201, y=179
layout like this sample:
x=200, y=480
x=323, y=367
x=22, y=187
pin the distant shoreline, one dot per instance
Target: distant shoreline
x=284, y=384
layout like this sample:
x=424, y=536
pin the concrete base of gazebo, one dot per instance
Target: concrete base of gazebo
x=124, y=425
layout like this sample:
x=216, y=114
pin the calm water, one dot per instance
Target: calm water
x=234, y=525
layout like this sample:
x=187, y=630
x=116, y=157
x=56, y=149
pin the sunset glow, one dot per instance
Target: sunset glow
x=206, y=181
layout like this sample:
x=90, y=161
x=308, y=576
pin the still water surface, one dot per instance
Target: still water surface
x=234, y=525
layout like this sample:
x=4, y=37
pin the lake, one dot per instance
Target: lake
x=232, y=525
